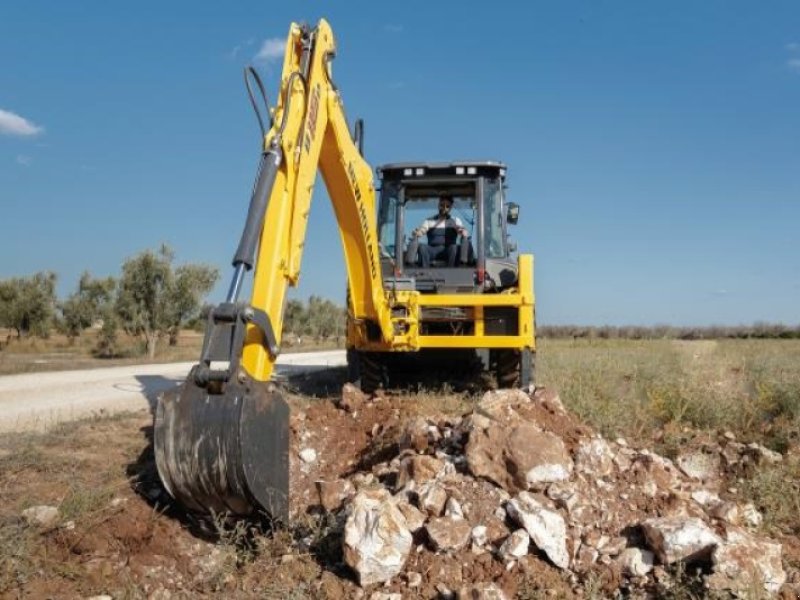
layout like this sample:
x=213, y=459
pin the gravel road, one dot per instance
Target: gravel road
x=36, y=401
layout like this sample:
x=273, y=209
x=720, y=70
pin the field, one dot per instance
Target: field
x=118, y=533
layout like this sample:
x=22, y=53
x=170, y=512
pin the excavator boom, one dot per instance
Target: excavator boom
x=222, y=442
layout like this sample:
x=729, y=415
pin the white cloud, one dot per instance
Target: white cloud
x=12, y=124
x=793, y=47
x=239, y=47
x=271, y=49
x=794, y=64
x=24, y=160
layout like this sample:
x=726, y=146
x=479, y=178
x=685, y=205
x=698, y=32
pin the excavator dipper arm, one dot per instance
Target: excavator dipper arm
x=222, y=442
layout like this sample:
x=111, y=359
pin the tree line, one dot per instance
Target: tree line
x=638, y=332
x=151, y=300
x=319, y=319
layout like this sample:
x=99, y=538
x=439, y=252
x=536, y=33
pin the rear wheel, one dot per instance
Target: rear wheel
x=513, y=368
x=368, y=370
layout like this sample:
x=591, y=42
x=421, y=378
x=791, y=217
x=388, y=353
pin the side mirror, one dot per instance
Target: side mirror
x=512, y=213
x=512, y=247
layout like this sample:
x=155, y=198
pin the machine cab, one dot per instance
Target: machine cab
x=443, y=227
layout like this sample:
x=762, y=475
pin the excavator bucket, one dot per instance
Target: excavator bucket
x=225, y=453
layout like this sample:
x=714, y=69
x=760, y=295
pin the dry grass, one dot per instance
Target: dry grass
x=632, y=388
x=56, y=353
x=665, y=393
x=31, y=355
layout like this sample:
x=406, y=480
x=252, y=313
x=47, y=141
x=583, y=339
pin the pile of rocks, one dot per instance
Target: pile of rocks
x=519, y=477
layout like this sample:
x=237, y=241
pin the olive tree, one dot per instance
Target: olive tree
x=27, y=304
x=325, y=319
x=89, y=304
x=153, y=299
x=190, y=285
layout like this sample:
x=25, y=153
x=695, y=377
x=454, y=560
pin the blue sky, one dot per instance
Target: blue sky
x=654, y=147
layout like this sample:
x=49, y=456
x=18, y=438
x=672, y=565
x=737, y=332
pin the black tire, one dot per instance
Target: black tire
x=353, y=367
x=372, y=371
x=513, y=368
x=506, y=368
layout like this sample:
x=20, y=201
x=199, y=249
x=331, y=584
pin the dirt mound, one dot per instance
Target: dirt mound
x=519, y=494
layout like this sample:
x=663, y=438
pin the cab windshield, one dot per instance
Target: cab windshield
x=420, y=210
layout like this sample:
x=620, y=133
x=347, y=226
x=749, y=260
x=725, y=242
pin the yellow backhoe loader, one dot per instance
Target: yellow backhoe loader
x=432, y=279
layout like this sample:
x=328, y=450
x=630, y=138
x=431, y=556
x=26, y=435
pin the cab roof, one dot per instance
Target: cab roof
x=461, y=168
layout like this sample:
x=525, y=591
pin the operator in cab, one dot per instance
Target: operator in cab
x=442, y=231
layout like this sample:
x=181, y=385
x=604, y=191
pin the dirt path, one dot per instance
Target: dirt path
x=39, y=400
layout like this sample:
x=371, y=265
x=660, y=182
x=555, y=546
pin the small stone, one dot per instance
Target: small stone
x=416, y=435
x=549, y=399
x=481, y=591
x=333, y=493
x=445, y=593
x=761, y=454
x=586, y=557
x=751, y=516
x=679, y=538
x=705, y=498
x=497, y=404
x=41, y=516
x=352, y=398
x=594, y=457
x=386, y=596
x=414, y=579
x=699, y=465
x=415, y=518
x=362, y=480
x=452, y=509
x=100, y=597
x=308, y=455
x=432, y=499
x=446, y=534
x=636, y=562
x=613, y=546
x=419, y=469
x=564, y=494
x=479, y=535
x=515, y=545
x=725, y=511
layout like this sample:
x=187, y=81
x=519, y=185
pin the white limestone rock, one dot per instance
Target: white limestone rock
x=515, y=545
x=680, y=538
x=546, y=527
x=376, y=537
